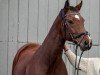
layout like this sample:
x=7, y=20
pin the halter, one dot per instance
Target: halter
x=67, y=26
x=73, y=36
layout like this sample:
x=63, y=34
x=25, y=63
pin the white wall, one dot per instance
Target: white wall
x=23, y=21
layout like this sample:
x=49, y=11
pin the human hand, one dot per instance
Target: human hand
x=66, y=48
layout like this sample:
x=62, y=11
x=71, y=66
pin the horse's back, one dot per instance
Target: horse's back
x=24, y=54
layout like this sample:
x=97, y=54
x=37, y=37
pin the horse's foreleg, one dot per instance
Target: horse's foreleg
x=35, y=69
x=61, y=69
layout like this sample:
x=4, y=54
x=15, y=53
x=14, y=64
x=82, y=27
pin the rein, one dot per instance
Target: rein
x=73, y=37
x=77, y=66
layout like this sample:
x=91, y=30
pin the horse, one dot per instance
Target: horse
x=46, y=59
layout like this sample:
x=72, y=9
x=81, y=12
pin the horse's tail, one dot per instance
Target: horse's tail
x=20, y=51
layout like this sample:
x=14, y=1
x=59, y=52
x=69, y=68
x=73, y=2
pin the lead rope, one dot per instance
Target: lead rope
x=76, y=69
x=79, y=61
x=77, y=66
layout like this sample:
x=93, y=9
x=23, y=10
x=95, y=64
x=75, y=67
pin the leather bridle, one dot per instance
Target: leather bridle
x=67, y=27
x=73, y=37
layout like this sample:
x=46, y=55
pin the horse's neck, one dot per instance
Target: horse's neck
x=53, y=44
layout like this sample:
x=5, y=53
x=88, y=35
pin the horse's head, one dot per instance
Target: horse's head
x=73, y=25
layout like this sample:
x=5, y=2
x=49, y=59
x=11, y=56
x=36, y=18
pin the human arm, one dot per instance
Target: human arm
x=72, y=57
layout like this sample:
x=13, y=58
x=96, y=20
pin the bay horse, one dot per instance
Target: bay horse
x=46, y=59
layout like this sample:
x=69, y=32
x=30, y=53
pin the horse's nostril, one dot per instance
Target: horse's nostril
x=85, y=43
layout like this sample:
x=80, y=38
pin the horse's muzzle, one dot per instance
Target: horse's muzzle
x=87, y=45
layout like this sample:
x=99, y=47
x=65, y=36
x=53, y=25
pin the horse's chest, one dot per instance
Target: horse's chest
x=58, y=69
x=54, y=72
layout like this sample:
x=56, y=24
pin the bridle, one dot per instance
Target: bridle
x=67, y=27
x=73, y=37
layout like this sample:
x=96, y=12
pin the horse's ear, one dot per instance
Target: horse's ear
x=78, y=7
x=66, y=4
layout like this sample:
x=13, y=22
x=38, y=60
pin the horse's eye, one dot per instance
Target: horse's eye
x=70, y=21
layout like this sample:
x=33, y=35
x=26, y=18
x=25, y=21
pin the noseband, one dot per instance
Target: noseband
x=67, y=26
x=73, y=37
